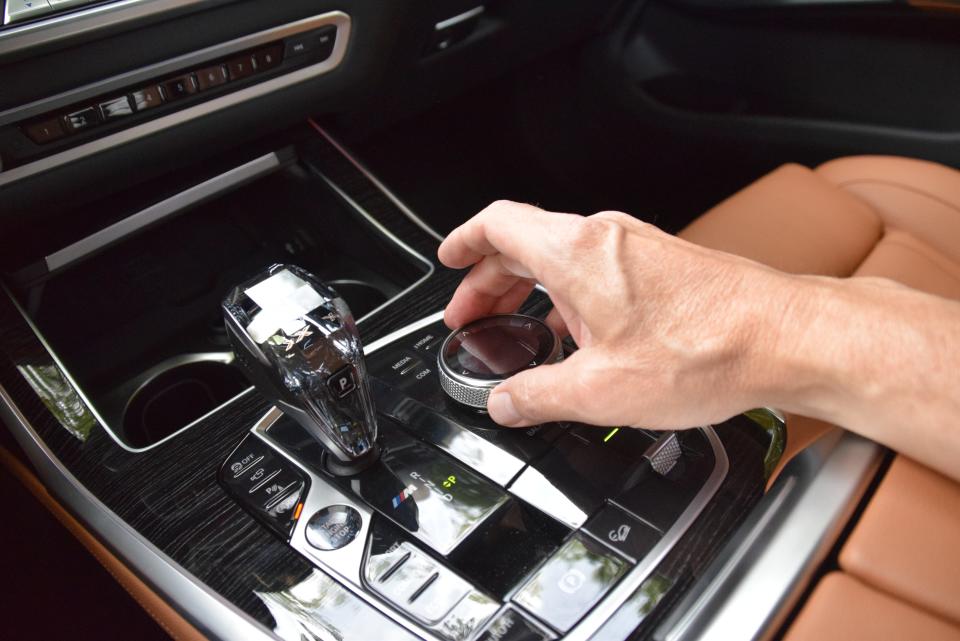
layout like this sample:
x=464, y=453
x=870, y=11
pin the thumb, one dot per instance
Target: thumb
x=546, y=393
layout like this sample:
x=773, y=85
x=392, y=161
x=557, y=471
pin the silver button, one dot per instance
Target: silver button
x=17, y=10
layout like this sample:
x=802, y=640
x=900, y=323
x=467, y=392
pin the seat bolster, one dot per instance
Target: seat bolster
x=793, y=220
x=843, y=609
x=906, y=542
x=903, y=258
x=916, y=196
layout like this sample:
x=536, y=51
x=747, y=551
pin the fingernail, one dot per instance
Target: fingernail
x=502, y=410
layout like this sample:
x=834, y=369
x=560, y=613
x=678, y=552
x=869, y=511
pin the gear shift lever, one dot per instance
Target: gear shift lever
x=298, y=343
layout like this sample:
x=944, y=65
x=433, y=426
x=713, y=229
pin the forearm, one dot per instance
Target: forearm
x=874, y=357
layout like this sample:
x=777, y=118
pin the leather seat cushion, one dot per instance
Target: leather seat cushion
x=842, y=608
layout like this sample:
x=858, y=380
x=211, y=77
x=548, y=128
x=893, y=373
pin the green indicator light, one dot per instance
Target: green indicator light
x=612, y=433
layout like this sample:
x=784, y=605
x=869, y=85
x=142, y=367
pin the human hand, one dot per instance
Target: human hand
x=667, y=330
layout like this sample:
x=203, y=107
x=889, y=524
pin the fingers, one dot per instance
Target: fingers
x=546, y=393
x=491, y=287
x=522, y=233
x=554, y=321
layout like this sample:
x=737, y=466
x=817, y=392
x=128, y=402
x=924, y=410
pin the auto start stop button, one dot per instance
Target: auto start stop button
x=333, y=527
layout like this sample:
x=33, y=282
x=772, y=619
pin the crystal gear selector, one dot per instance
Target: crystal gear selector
x=298, y=343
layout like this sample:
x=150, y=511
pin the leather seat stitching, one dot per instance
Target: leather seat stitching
x=869, y=181
x=921, y=254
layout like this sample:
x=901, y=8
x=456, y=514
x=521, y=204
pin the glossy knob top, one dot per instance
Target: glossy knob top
x=480, y=355
x=298, y=343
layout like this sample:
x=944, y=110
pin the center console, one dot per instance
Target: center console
x=450, y=525
x=357, y=490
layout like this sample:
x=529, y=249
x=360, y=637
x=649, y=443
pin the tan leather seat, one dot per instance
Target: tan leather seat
x=896, y=218
x=842, y=608
x=866, y=216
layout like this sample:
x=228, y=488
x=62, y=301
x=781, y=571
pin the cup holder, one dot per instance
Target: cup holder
x=361, y=297
x=176, y=397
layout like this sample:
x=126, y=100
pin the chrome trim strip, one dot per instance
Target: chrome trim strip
x=210, y=613
x=76, y=23
x=633, y=580
x=338, y=18
x=390, y=236
x=162, y=210
x=160, y=69
x=457, y=19
x=762, y=571
x=416, y=220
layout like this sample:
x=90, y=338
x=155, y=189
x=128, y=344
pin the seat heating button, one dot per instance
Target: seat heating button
x=511, y=625
x=333, y=527
x=147, y=98
x=565, y=588
x=438, y=596
x=630, y=536
x=45, y=131
x=401, y=581
x=211, y=77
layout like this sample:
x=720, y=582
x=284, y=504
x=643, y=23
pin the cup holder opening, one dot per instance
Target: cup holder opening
x=176, y=397
x=361, y=297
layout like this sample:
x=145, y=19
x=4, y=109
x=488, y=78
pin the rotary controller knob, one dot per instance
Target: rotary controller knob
x=480, y=355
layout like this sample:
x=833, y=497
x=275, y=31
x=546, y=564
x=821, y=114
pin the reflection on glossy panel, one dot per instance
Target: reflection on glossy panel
x=319, y=608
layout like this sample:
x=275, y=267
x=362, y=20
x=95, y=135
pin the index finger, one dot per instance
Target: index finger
x=522, y=233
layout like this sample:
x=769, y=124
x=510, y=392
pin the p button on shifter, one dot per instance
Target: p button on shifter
x=343, y=382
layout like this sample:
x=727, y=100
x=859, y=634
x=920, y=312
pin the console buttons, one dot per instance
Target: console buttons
x=17, y=10
x=115, y=108
x=147, y=98
x=45, y=131
x=180, y=87
x=511, y=625
x=82, y=119
x=268, y=58
x=570, y=583
x=211, y=77
x=266, y=484
x=318, y=43
x=655, y=499
x=333, y=527
x=630, y=536
x=240, y=67
x=416, y=584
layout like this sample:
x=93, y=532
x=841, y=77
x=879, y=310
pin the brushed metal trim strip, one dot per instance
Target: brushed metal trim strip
x=59, y=27
x=338, y=18
x=762, y=571
x=163, y=210
x=460, y=17
x=208, y=611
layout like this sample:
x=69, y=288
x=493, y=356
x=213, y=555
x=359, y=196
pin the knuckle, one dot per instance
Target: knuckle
x=590, y=232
